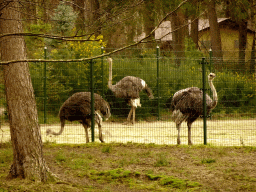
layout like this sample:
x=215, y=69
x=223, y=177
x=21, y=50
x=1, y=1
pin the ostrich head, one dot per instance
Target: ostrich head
x=109, y=60
x=105, y=110
x=211, y=76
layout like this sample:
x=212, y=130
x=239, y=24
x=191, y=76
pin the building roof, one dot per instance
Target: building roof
x=163, y=31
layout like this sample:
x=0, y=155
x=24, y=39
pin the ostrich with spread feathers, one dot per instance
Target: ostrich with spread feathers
x=129, y=88
x=78, y=108
x=187, y=105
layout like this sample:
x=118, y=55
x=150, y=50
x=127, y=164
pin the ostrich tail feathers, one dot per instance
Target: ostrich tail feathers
x=50, y=132
x=168, y=103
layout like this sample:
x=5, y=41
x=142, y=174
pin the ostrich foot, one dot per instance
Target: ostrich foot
x=128, y=123
x=190, y=143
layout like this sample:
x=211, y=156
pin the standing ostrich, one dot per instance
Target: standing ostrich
x=187, y=105
x=78, y=108
x=129, y=88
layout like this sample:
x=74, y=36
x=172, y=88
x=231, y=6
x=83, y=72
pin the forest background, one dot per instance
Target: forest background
x=83, y=29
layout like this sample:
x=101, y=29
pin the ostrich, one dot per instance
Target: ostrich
x=78, y=108
x=129, y=88
x=187, y=105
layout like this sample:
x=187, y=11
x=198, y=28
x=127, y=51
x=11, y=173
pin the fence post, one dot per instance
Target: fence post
x=45, y=56
x=204, y=101
x=92, y=100
x=158, y=87
x=102, y=73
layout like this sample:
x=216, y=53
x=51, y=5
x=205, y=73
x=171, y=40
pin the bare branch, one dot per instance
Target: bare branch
x=63, y=38
x=98, y=56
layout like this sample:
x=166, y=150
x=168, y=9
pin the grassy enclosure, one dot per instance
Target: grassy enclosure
x=139, y=167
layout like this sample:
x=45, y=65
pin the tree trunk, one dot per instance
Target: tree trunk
x=148, y=19
x=194, y=32
x=92, y=16
x=215, y=33
x=252, y=63
x=242, y=43
x=195, y=21
x=178, y=36
x=28, y=161
x=78, y=6
x=31, y=12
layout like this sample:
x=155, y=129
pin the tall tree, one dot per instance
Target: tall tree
x=193, y=13
x=148, y=17
x=214, y=32
x=242, y=42
x=28, y=160
x=253, y=57
x=178, y=36
x=240, y=12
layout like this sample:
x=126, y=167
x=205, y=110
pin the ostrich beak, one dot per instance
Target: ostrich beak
x=212, y=75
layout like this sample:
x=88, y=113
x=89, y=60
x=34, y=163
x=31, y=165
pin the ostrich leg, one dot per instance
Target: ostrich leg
x=133, y=115
x=129, y=117
x=178, y=138
x=189, y=133
x=86, y=132
x=99, y=121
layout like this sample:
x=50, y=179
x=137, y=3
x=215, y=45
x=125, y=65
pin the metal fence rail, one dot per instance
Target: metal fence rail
x=232, y=122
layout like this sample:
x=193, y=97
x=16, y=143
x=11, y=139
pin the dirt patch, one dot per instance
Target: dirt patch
x=219, y=133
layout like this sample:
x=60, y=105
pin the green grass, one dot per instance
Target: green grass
x=135, y=166
x=161, y=160
x=208, y=160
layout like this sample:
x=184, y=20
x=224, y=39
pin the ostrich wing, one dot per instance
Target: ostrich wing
x=75, y=110
x=128, y=87
x=188, y=100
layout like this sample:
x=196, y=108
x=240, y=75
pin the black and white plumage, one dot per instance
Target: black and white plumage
x=78, y=108
x=187, y=105
x=129, y=88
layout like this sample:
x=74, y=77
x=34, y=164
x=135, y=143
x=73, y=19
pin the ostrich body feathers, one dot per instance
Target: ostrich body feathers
x=187, y=105
x=78, y=108
x=190, y=101
x=130, y=87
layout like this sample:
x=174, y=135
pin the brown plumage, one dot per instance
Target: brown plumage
x=187, y=105
x=78, y=108
x=129, y=88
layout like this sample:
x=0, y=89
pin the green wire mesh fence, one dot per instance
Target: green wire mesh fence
x=231, y=123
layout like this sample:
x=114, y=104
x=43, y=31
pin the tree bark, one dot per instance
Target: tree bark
x=28, y=161
x=242, y=42
x=253, y=57
x=148, y=19
x=194, y=31
x=178, y=36
x=215, y=33
x=195, y=22
x=92, y=16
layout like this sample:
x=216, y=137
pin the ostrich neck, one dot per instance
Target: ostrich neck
x=215, y=97
x=110, y=86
